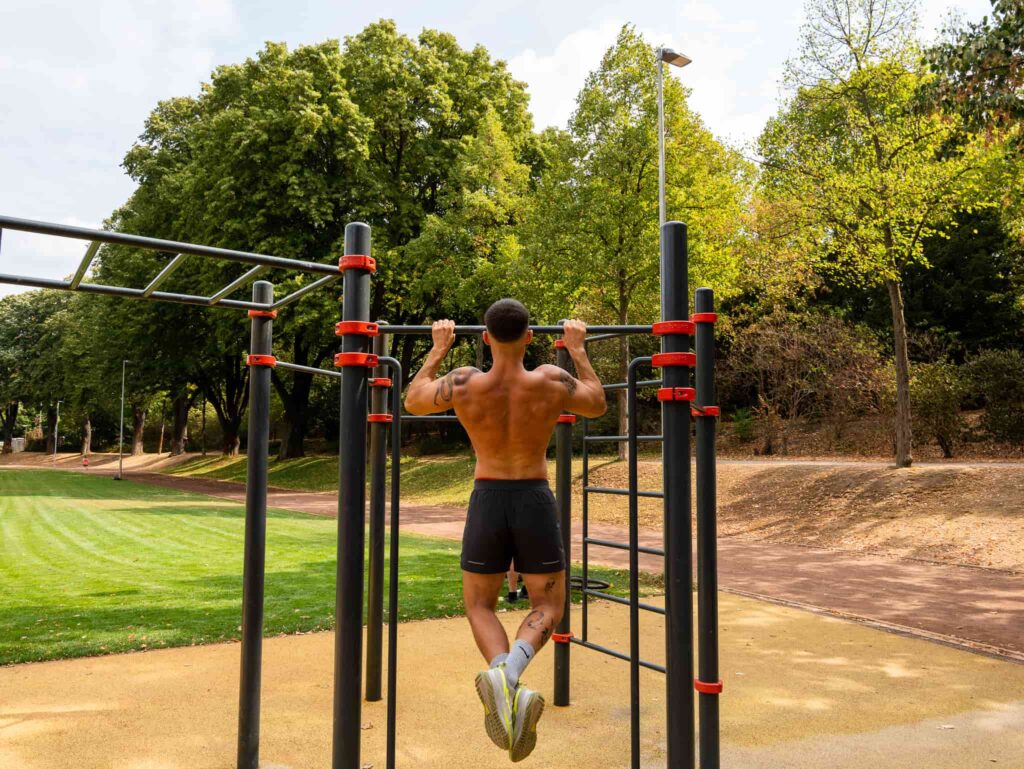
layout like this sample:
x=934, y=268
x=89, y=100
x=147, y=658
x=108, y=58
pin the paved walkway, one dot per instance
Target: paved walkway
x=979, y=609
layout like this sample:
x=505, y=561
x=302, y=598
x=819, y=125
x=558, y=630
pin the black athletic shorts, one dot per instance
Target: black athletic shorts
x=512, y=520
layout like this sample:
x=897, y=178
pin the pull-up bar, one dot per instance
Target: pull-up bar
x=616, y=330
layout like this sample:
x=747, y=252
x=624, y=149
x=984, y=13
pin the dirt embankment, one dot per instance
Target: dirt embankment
x=971, y=515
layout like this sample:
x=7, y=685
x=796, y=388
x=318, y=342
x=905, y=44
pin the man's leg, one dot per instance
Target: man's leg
x=547, y=602
x=480, y=595
x=513, y=586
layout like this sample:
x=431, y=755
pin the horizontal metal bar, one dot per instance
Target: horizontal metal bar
x=623, y=546
x=618, y=655
x=624, y=385
x=308, y=369
x=619, y=438
x=622, y=492
x=600, y=337
x=535, y=329
x=429, y=418
x=165, y=273
x=83, y=266
x=131, y=293
x=623, y=601
x=305, y=290
x=158, y=244
x=237, y=283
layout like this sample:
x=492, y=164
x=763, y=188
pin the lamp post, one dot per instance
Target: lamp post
x=675, y=59
x=120, y=440
x=56, y=432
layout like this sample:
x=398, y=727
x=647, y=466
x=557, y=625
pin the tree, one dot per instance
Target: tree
x=865, y=176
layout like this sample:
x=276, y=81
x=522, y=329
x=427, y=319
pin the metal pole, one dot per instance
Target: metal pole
x=675, y=417
x=634, y=568
x=396, y=457
x=563, y=497
x=375, y=579
x=348, y=632
x=260, y=343
x=707, y=554
x=120, y=440
x=661, y=139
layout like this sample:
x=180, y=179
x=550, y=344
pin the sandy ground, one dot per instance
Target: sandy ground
x=801, y=690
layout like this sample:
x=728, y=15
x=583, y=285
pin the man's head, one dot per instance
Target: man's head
x=508, y=322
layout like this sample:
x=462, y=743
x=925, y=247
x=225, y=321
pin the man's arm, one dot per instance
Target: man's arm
x=426, y=393
x=585, y=393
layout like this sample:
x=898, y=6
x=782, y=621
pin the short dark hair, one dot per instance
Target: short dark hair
x=507, y=320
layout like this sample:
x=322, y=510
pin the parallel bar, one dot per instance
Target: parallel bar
x=623, y=601
x=584, y=511
x=295, y=295
x=618, y=655
x=645, y=383
x=375, y=571
x=254, y=559
x=624, y=546
x=430, y=418
x=237, y=283
x=130, y=293
x=620, y=438
x=163, y=275
x=83, y=266
x=622, y=492
x=536, y=329
x=634, y=563
x=563, y=499
x=308, y=369
x=396, y=465
x=600, y=337
x=158, y=244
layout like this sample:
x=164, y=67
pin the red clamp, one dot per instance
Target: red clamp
x=357, y=327
x=355, y=359
x=357, y=262
x=706, y=688
x=263, y=314
x=705, y=411
x=661, y=359
x=676, y=393
x=380, y=381
x=562, y=638
x=566, y=419
x=380, y=418
x=673, y=327
x=559, y=344
x=704, y=317
x=261, y=360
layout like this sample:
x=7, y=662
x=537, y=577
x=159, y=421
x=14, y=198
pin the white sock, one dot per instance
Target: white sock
x=499, y=659
x=517, y=661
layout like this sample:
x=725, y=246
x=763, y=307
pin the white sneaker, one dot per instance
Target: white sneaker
x=492, y=686
x=527, y=708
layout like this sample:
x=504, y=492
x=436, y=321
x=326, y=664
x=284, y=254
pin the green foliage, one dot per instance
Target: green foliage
x=743, y=425
x=937, y=392
x=997, y=377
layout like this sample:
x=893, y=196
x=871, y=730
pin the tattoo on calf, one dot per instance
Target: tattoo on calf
x=549, y=586
x=536, y=620
x=569, y=382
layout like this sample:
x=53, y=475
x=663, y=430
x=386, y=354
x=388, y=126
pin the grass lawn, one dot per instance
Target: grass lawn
x=90, y=566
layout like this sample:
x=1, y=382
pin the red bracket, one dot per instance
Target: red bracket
x=661, y=359
x=261, y=360
x=705, y=411
x=673, y=327
x=566, y=419
x=357, y=262
x=704, y=317
x=676, y=393
x=561, y=638
x=355, y=359
x=381, y=381
x=380, y=418
x=357, y=327
x=706, y=688
x=263, y=314
x=559, y=344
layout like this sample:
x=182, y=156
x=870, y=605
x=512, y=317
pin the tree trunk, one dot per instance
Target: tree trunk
x=138, y=425
x=51, y=431
x=180, y=407
x=904, y=436
x=160, y=440
x=86, y=436
x=9, y=417
x=231, y=443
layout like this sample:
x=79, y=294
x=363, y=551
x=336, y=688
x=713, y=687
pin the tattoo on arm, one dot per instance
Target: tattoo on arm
x=446, y=385
x=569, y=381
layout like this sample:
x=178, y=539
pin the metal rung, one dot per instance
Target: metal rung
x=429, y=418
x=622, y=492
x=619, y=438
x=308, y=369
x=624, y=385
x=623, y=601
x=164, y=274
x=618, y=655
x=624, y=546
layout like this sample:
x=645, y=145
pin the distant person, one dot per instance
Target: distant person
x=509, y=414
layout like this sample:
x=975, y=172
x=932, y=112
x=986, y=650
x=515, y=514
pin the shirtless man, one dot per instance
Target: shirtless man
x=509, y=414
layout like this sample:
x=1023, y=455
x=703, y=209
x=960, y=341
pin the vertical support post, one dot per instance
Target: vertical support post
x=563, y=497
x=634, y=569
x=260, y=343
x=396, y=468
x=375, y=579
x=675, y=418
x=707, y=534
x=348, y=615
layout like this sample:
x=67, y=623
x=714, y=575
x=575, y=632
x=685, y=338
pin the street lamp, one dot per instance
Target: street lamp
x=56, y=432
x=120, y=440
x=675, y=59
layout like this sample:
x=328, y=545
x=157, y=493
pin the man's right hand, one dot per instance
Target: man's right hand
x=443, y=332
x=574, y=333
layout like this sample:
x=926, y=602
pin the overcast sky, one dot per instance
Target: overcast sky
x=77, y=78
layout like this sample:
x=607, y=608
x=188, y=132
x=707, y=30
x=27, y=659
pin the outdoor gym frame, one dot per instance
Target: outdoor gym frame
x=363, y=370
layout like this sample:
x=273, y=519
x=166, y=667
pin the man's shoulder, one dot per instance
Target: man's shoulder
x=463, y=374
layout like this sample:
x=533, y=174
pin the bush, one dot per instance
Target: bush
x=937, y=391
x=997, y=377
x=743, y=425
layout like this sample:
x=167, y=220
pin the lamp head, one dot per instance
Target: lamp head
x=673, y=58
